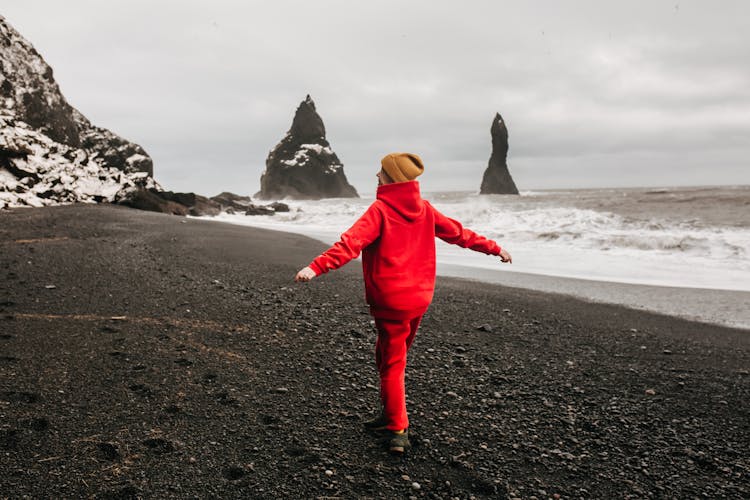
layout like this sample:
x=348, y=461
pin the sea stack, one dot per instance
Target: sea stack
x=49, y=152
x=302, y=165
x=497, y=179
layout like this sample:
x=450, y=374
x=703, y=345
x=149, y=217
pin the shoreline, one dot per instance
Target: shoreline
x=694, y=304
x=708, y=305
x=148, y=355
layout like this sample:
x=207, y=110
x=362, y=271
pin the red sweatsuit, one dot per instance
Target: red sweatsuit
x=396, y=236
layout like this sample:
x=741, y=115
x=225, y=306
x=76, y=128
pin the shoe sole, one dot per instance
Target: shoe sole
x=397, y=448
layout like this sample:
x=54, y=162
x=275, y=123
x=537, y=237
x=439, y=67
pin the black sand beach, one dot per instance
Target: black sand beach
x=146, y=355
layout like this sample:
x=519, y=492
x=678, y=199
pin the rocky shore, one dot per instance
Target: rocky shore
x=149, y=355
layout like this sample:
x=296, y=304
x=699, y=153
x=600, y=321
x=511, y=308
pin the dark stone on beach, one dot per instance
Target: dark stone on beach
x=277, y=206
x=232, y=203
x=497, y=179
x=143, y=199
x=170, y=202
x=185, y=199
x=303, y=165
x=227, y=201
x=259, y=210
x=196, y=204
x=204, y=206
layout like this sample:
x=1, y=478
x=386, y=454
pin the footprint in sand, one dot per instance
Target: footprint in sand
x=126, y=492
x=8, y=439
x=234, y=472
x=107, y=451
x=141, y=389
x=38, y=424
x=172, y=409
x=20, y=397
x=158, y=445
x=225, y=399
x=270, y=420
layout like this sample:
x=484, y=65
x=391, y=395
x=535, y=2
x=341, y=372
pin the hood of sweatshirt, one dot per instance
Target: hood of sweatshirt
x=403, y=198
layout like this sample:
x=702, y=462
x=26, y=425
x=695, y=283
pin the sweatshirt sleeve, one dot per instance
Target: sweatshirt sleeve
x=451, y=231
x=361, y=234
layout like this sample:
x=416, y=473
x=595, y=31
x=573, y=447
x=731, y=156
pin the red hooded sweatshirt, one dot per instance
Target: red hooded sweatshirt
x=396, y=236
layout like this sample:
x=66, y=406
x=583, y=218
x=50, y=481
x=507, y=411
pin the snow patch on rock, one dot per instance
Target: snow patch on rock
x=37, y=171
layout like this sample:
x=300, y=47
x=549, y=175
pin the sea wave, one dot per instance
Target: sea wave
x=600, y=230
x=555, y=238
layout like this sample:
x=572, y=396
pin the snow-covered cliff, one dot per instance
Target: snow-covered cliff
x=49, y=152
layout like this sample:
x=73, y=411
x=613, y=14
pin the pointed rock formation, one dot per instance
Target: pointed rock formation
x=302, y=165
x=497, y=179
x=49, y=152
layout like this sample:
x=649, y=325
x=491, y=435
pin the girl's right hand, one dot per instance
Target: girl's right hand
x=305, y=274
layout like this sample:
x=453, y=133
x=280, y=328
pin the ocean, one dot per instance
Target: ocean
x=675, y=238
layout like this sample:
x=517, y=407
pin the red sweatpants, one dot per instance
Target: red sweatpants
x=394, y=340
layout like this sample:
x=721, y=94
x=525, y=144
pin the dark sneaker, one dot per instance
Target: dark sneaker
x=399, y=441
x=377, y=424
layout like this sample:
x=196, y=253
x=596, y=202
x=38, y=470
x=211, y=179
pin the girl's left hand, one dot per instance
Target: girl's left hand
x=505, y=257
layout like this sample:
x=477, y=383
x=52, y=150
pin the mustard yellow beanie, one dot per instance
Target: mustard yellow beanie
x=402, y=167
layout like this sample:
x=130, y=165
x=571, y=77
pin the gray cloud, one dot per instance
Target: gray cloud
x=594, y=93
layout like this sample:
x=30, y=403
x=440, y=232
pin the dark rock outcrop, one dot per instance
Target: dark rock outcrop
x=143, y=199
x=302, y=165
x=169, y=202
x=197, y=205
x=49, y=152
x=270, y=209
x=497, y=179
x=259, y=210
x=279, y=207
x=231, y=203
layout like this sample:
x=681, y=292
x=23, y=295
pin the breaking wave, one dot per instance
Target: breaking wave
x=550, y=235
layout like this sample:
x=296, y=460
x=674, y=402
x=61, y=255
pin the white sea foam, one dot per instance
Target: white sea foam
x=547, y=235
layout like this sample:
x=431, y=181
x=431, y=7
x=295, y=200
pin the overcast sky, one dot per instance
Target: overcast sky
x=594, y=93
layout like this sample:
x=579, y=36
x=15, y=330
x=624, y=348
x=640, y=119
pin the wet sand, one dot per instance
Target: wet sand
x=720, y=307
x=150, y=355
